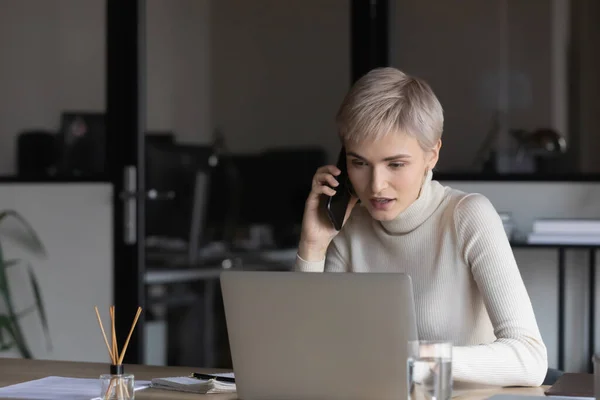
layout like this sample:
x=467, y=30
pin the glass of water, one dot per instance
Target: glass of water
x=596, y=364
x=429, y=370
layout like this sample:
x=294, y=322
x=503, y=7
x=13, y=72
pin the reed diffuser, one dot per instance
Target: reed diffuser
x=117, y=385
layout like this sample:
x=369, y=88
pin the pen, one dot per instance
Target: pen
x=216, y=378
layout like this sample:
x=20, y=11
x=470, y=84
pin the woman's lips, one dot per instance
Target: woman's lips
x=381, y=203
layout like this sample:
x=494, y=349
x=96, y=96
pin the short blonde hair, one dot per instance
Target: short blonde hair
x=387, y=100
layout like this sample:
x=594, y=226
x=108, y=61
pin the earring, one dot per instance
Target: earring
x=426, y=172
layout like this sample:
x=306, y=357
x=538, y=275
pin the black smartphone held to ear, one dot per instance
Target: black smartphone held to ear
x=338, y=203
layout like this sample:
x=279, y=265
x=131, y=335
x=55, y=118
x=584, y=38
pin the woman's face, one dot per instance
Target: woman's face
x=387, y=174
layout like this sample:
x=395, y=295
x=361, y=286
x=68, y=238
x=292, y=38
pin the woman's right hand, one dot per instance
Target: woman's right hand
x=317, y=229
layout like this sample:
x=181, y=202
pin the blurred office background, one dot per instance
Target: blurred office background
x=152, y=144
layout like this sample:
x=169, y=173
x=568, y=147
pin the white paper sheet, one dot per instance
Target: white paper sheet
x=526, y=397
x=57, y=387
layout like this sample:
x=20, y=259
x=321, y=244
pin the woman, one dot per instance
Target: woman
x=467, y=285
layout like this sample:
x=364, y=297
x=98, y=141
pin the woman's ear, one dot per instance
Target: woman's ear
x=434, y=155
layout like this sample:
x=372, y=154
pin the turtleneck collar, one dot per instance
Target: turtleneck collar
x=430, y=197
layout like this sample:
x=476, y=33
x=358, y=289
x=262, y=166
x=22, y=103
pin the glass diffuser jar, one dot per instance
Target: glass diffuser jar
x=117, y=385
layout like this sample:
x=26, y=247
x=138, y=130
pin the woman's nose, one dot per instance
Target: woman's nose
x=378, y=182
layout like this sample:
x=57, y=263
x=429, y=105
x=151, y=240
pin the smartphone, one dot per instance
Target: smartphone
x=338, y=203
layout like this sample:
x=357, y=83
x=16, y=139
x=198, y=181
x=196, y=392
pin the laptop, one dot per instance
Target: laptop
x=331, y=336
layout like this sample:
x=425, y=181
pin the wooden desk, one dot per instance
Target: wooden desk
x=18, y=370
x=485, y=393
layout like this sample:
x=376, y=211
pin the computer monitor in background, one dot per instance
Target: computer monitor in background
x=36, y=154
x=268, y=188
x=160, y=138
x=233, y=196
x=177, y=184
x=291, y=169
x=81, y=144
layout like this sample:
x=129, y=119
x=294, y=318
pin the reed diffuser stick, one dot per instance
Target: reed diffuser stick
x=103, y=333
x=137, y=315
x=117, y=381
x=114, y=335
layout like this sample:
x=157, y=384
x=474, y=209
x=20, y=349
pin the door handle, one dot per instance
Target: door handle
x=154, y=194
x=151, y=194
x=129, y=197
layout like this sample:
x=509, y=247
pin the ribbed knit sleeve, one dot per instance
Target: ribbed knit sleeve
x=334, y=262
x=302, y=265
x=518, y=356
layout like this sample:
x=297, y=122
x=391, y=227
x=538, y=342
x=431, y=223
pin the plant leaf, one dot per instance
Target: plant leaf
x=11, y=321
x=40, y=305
x=2, y=323
x=3, y=266
x=10, y=263
x=34, y=241
x=6, y=325
x=3, y=277
x=6, y=346
x=17, y=335
x=12, y=325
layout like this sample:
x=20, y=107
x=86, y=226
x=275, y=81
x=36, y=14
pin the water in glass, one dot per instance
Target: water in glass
x=429, y=372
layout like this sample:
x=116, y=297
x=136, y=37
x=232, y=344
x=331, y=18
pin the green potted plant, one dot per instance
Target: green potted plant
x=11, y=331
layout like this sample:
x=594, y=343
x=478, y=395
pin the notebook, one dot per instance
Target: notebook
x=573, y=385
x=195, y=385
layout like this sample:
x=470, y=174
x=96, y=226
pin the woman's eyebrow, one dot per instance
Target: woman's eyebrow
x=392, y=158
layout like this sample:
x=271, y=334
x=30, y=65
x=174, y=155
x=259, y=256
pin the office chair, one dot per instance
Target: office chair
x=552, y=376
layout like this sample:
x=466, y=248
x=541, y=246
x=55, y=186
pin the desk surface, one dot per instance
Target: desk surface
x=19, y=370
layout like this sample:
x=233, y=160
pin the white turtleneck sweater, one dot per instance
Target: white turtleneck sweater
x=466, y=282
